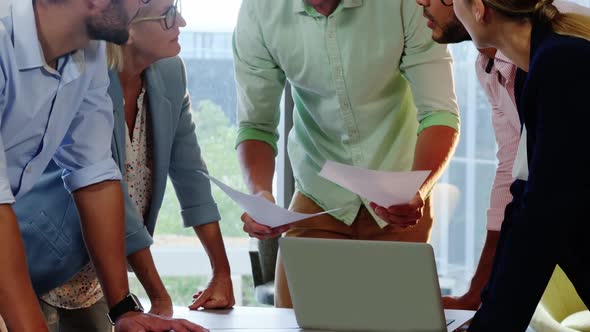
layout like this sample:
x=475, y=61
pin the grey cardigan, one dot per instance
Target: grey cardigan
x=47, y=215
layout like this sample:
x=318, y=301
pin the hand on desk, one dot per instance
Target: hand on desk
x=259, y=231
x=140, y=322
x=218, y=295
x=406, y=215
x=161, y=306
x=464, y=302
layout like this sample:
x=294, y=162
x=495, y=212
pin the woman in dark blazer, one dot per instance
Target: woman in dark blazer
x=153, y=139
x=546, y=223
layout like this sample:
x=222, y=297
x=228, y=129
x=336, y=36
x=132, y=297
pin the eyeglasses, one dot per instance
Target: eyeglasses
x=447, y=3
x=169, y=16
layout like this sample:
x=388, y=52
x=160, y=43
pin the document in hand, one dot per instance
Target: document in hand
x=384, y=188
x=260, y=209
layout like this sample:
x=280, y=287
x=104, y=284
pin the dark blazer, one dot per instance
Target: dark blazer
x=546, y=223
x=47, y=214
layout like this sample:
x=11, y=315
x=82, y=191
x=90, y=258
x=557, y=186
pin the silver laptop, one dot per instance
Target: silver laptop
x=350, y=285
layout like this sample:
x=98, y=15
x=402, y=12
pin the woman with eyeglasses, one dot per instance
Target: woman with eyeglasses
x=154, y=137
x=546, y=223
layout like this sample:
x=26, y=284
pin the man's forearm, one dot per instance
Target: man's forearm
x=434, y=149
x=18, y=303
x=257, y=161
x=484, y=267
x=144, y=267
x=210, y=236
x=102, y=216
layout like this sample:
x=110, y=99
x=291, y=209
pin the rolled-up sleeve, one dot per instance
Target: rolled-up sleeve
x=85, y=153
x=192, y=188
x=259, y=80
x=428, y=68
x=6, y=196
x=137, y=236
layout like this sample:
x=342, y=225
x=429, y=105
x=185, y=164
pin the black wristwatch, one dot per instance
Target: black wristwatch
x=129, y=303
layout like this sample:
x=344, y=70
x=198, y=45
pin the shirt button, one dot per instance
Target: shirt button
x=28, y=169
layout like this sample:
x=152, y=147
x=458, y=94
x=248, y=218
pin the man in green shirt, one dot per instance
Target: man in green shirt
x=371, y=89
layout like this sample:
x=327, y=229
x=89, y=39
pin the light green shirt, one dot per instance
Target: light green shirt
x=365, y=81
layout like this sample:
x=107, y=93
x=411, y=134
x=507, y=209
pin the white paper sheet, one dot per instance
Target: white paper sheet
x=260, y=209
x=384, y=188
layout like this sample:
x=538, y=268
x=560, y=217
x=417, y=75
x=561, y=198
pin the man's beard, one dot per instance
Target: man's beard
x=111, y=26
x=454, y=32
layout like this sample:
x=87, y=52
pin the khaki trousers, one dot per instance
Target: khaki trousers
x=325, y=226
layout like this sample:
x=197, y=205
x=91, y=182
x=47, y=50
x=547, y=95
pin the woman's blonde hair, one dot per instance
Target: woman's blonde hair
x=569, y=24
x=115, y=58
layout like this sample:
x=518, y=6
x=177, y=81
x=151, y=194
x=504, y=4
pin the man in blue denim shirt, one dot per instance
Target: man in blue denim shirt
x=54, y=104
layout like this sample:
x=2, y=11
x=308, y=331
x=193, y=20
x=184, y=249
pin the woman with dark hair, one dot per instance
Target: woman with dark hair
x=544, y=225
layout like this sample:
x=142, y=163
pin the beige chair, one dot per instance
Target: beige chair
x=560, y=308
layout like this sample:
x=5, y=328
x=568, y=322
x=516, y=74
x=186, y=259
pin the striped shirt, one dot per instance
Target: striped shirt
x=497, y=78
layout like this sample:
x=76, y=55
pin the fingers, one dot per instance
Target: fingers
x=183, y=325
x=216, y=304
x=406, y=211
x=417, y=202
x=260, y=231
x=254, y=226
x=198, y=302
x=140, y=322
x=401, y=215
x=218, y=295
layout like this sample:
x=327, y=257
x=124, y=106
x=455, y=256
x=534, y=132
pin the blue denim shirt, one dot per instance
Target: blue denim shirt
x=63, y=113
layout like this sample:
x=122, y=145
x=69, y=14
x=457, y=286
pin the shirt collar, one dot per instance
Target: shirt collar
x=505, y=67
x=501, y=66
x=26, y=41
x=27, y=48
x=502, y=58
x=75, y=66
x=300, y=6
